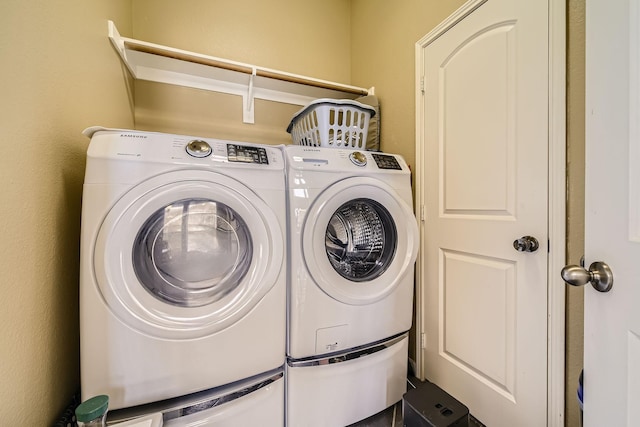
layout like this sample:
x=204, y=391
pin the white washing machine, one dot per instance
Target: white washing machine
x=182, y=275
x=353, y=242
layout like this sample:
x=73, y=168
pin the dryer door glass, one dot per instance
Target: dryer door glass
x=361, y=240
x=192, y=252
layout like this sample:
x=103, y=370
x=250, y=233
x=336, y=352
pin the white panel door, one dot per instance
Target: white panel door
x=485, y=103
x=612, y=213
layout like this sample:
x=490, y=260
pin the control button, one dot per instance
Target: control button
x=198, y=148
x=358, y=159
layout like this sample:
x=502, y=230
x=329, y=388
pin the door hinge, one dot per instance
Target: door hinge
x=423, y=340
x=422, y=213
x=422, y=84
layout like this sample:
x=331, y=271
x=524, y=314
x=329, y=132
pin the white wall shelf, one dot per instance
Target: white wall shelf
x=162, y=64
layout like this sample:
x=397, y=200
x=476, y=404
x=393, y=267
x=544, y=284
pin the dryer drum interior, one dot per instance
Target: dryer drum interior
x=361, y=240
x=192, y=252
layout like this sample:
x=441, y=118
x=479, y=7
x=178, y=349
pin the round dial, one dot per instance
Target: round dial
x=198, y=148
x=358, y=158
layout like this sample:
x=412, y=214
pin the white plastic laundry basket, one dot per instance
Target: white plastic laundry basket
x=336, y=123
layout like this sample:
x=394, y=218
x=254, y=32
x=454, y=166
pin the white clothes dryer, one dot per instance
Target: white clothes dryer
x=182, y=274
x=353, y=245
x=353, y=242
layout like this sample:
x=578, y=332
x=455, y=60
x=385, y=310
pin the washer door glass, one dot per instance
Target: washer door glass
x=192, y=252
x=361, y=240
x=186, y=254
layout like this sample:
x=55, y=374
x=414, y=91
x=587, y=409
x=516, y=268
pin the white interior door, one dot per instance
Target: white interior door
x=484, y=184
x=612, y=216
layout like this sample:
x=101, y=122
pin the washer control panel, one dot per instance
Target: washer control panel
x=247, y=154
x=155, y=147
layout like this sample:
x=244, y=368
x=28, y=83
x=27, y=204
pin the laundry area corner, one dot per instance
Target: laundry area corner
x=197, y=251
x=191, y=256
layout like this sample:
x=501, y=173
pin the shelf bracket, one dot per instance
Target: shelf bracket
x=118, y=43
x=248, y=100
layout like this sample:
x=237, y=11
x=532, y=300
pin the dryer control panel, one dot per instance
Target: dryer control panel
x=385, y=161
x=332, y=159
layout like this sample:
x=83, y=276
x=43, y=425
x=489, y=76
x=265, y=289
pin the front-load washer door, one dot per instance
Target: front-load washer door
x=359, y=240
x=185, y=255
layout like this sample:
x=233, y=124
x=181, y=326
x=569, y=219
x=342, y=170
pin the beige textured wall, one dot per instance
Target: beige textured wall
x=58, y=76
x=304, y=37
x=384, y=34
x=575, y=201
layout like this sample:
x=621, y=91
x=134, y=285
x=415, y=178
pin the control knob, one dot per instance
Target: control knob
x=358, y=158
x=198, y=148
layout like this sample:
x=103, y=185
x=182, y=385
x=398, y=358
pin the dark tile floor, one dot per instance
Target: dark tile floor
x=392, y=416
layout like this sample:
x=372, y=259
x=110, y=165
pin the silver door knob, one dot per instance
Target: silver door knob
x=526, y=244
x=599, y=275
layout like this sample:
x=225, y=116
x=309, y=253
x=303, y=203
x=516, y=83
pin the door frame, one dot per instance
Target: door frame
x=556, y=198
